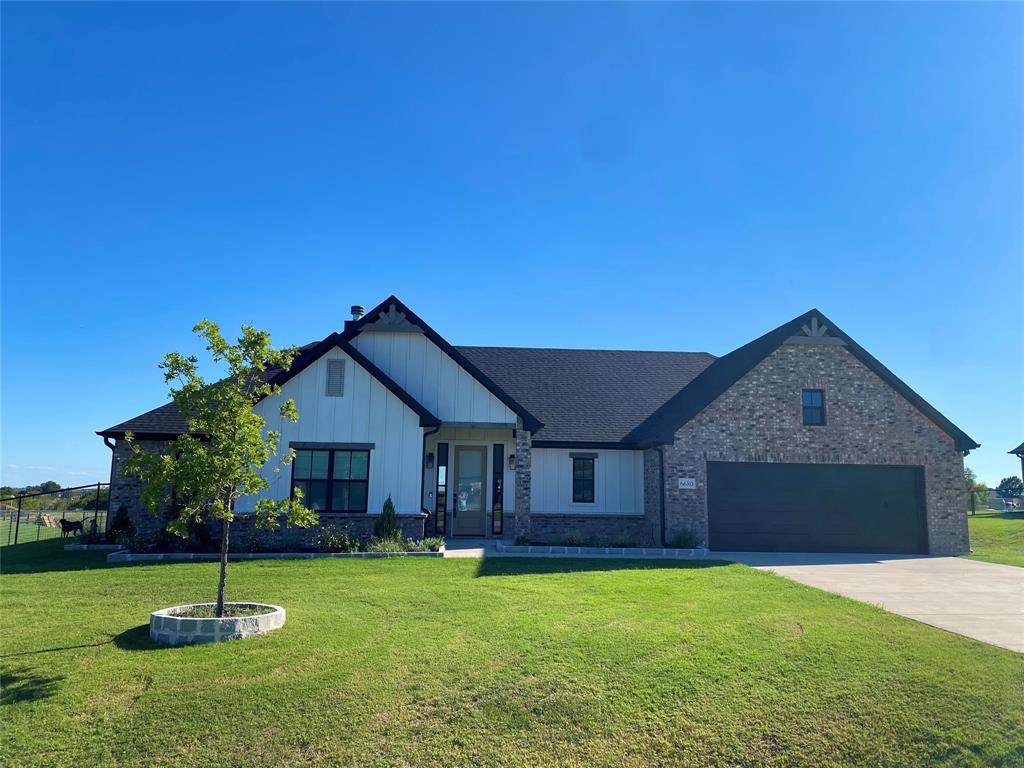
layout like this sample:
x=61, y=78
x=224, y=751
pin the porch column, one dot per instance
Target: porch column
x=522, y=514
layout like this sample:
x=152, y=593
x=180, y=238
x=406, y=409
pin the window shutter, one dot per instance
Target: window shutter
x=335, y=378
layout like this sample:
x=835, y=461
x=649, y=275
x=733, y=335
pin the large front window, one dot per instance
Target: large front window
x=332, y=480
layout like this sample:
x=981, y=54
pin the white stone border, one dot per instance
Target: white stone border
x=146, y=557
x=167, y=627
x=640, y=553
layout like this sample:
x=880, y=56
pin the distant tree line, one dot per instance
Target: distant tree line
x=55, y=498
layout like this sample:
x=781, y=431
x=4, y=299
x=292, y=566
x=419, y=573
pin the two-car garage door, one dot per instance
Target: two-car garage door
x=816, y=508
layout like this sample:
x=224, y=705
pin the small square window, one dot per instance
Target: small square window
x=813, y=401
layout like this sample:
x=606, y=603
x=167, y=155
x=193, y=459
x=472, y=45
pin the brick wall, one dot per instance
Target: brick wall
x=125, y=490
x=759, y=419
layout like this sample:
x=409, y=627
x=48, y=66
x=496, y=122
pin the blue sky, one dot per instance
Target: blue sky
x=681, y=177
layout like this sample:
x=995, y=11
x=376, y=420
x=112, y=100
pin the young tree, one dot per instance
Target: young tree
x=1010, y=487
x=218, y=460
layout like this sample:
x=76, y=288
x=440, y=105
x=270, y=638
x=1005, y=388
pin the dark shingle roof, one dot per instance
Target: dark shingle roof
x=1018, y=450
x=588, y=395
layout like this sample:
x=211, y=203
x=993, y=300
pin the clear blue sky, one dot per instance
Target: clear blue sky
x=681, y=177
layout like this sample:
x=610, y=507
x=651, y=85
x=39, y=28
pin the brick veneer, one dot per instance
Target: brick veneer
x=759, y=419
x=125, y=490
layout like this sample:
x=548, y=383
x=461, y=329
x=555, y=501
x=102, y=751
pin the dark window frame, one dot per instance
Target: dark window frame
x=441, y=488
x=497, y=488
x=813, y=413
x=330, y=481
x=582, y=487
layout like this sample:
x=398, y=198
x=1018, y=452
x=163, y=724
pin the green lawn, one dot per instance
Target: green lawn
x=997, y=537
x=501, y=662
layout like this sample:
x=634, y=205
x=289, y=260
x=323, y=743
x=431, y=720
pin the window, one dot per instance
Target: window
x=335, y=378
x=814, y=407
x=583, y=479
x=332, y=480
x=441, y=499
x=497, y=487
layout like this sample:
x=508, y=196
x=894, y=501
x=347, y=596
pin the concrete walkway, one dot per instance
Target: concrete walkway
x=984, y=601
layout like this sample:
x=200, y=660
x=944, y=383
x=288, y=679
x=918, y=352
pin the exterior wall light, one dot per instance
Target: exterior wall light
x=430, y=460
x=512, y=461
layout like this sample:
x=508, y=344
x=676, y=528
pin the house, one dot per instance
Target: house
x=797, y=441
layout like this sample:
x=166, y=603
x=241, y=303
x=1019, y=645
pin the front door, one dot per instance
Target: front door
x=470, y=502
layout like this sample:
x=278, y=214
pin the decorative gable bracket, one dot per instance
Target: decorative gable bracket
x=813, y=332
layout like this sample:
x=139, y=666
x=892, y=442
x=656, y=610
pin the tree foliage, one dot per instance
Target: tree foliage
x=202, y=474
x=1010, y=487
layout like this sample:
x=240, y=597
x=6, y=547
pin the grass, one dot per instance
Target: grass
x=997, y=537
x=500, y=662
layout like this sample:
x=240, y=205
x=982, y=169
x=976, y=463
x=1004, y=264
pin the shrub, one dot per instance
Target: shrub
x=120, y=525
x=332, y=538
x=386, y=526
x=430, y=544
x=685, y=538
x=433, y=543
x=393, y=544
x=90, y=535
x=522, y=539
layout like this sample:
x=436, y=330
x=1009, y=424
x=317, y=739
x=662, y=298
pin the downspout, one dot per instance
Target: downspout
x=423, y=458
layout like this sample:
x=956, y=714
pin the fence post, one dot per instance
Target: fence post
x=974, y=508
x=17, y=523
x=96, y=514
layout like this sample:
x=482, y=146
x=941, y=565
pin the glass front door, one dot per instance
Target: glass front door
x=470, y=499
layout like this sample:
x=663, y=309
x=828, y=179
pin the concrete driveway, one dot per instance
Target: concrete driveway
x=980, y=600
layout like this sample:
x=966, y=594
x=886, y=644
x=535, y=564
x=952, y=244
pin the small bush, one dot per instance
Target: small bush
x=386, y=526
x=685, y=538
x=120, y=525
x=90, y=535
x=521, y=539
x=332, y=538
x=430, y=544
x=393, y=544
x=433, y=543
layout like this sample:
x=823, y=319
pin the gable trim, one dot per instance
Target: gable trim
x=336, y=340
x=354, y=327
x=660, y=427
x=301, y=363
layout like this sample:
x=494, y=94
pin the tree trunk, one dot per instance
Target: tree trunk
x=223, y=567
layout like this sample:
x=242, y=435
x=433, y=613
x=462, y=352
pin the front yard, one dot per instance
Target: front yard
x=997, y=537
x=501, y=662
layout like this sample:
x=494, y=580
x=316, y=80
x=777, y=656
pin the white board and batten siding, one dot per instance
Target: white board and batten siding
x=618, y=482
x=366, y=413
x=427, y=373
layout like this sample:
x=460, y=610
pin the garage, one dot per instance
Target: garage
x=766, y=507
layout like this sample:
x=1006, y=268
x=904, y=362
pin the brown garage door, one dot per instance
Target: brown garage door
x=761, y=507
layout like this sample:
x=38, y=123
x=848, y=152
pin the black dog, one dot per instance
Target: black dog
x=67, y=527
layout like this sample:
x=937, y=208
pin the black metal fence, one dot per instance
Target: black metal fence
x=47, y=514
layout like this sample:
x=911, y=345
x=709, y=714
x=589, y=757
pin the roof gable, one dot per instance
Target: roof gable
x=812, y=327
x=166, y=422
x=392, y=315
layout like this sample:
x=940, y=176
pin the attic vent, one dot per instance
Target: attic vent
x=335, y=378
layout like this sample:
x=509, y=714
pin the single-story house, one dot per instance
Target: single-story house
x=797, y=441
